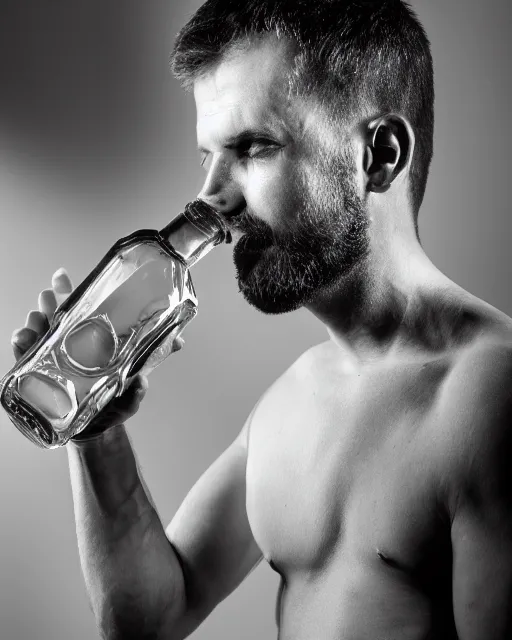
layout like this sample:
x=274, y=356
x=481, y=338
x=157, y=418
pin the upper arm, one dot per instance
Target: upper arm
x=482, y=574
x=212, y=537
x=481, y=507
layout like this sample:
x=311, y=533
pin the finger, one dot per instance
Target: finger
x=178, y=344
x=47, y=303
x=128, y=403
x=137, y=390
x=22, y=340
x=141, y=384
x=37, y=321
x=61, y=285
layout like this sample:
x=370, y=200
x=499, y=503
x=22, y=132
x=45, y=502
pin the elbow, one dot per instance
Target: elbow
x=122, y=618
x=128, y=621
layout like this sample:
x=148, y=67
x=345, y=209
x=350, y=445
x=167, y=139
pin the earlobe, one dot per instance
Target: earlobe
x=387, y=152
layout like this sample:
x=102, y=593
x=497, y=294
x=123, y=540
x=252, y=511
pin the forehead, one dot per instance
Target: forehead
x=247, y=88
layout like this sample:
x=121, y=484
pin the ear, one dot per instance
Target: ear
x=390, y=143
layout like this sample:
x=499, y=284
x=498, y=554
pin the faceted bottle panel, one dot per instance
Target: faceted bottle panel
x=142, y=298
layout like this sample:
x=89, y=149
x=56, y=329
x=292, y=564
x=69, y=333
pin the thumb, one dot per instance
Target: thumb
x=139, y=386
x=178, y=344
x=133, y=394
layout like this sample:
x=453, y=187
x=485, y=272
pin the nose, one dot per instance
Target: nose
x=220, y=190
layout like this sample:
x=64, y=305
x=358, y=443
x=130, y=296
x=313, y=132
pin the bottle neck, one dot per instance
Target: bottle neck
x=195, y=232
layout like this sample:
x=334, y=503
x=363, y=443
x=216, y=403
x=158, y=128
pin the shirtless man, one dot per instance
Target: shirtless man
x=374, y=475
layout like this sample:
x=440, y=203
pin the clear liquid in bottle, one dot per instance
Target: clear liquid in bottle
x=122, y=320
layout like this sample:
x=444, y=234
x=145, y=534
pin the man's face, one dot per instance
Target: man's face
x=303, y=223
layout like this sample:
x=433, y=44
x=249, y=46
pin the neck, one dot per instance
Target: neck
x=395, y=303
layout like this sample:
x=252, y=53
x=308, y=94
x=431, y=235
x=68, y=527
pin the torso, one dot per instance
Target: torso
x=344, y=497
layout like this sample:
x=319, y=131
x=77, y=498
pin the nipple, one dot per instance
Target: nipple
x=388, y=560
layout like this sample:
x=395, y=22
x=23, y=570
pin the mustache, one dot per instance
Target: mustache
x=247, y=223
x=257, y=234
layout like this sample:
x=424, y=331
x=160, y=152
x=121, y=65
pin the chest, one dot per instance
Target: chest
x=348, y=472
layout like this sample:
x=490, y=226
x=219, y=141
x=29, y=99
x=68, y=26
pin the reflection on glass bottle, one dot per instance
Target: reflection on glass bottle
x=120, y=321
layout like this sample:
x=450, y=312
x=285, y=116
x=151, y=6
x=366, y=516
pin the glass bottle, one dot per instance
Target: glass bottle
x=120, y=321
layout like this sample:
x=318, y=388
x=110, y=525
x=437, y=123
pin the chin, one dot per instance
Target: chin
x=269, y=289
x=260, y=279
x=270, y=305
x=283, y=275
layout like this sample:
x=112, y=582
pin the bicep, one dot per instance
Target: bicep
x=212, y=536
x=477, y=451
x=482, y=574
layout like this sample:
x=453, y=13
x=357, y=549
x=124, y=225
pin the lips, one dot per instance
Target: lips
x=230, y=216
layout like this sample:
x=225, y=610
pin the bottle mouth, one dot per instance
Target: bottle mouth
x=208, y=220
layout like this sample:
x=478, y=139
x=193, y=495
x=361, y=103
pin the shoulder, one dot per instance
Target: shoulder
x=475, y=417
x=301, y=378
x=319, y=361
x=481, y=373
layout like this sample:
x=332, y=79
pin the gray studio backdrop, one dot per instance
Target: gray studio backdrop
x=97, y=140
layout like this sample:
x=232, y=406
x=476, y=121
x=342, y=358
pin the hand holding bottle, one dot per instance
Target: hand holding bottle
x=119, y=324
x=118, y=410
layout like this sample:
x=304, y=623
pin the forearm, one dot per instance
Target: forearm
x=132, y=574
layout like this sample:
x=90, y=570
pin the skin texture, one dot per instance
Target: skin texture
x=295, y=242
x=373, y=475
x=357, y=454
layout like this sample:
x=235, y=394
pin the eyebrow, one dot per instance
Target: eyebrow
x=243, y=136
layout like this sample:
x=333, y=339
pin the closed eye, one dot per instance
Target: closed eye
x=257, y=148
x=245, y=147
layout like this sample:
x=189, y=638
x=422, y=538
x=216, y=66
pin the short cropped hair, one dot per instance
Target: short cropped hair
x=360, y=57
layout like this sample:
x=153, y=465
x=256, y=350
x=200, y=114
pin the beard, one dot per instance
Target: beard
x=281, y=271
